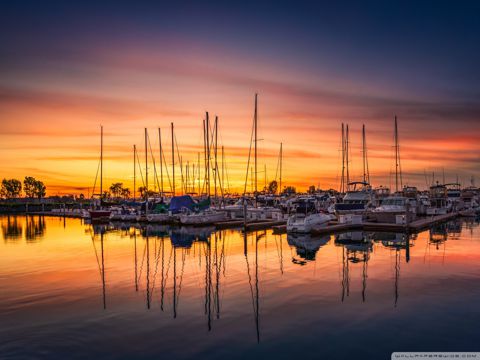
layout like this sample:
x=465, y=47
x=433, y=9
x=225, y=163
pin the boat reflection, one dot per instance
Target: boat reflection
x=356, y=248
x=306, y=246
x=395, y=242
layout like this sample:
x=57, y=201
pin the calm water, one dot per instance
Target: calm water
x=72, y=291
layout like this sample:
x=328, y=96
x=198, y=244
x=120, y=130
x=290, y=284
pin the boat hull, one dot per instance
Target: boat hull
x=305, y=224
x=202, y=218
x=99, y=215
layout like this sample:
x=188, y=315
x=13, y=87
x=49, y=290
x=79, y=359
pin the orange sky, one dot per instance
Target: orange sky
x=53, y=102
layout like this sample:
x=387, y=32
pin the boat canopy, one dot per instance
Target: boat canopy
x=177, y=203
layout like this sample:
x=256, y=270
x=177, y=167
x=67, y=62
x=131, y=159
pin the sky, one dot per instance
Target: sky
x=66, y=68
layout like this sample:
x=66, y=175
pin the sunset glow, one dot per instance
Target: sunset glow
x=79, y=72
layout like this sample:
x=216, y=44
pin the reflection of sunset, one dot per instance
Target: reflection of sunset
x=64, y=258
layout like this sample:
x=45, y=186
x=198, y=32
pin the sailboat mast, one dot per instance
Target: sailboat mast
x=146, y=166
x=101, y=162
x=347, y=150
x=342, y=181
x=256, y=139
x=134, y=172
x=223, y=170
x=281, y=162
x=173, y=162
x=216, y=161
x=396, y=155
x=366, y=175
x=161, y=161
x=208, y=153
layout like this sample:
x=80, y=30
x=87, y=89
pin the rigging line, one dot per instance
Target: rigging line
x=166, y=169
x=180, y=162
x=153, y=160
x=248, y=162
x=140, y=169
x=96, y=176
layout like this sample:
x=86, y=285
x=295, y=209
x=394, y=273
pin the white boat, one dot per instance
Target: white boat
x=261, y=213
x=356, y=201
x=203, y=217
x=159, y=218
x=236, y=210
x=301, y=223
x=391, y=207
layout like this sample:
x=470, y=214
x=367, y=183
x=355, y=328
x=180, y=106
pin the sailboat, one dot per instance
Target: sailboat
x=359, y=196
x=396, y=204
x=100, y=214
x=258, y=212
x=201, y=213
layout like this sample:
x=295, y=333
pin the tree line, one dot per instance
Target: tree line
x=32, y=188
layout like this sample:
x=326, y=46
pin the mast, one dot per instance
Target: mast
x=198, y=170
x=347, y=150
x=146, y=167
x=208, y=153
x=173, y=162
x=342, y=181
x=101, y=164
x=216, y=161
x=223, y=173
x=134, y=171
x=161, y=161
x=366, y=175
x=281, y=161
x=398, y=169
x=265, y=176
x=256, y=139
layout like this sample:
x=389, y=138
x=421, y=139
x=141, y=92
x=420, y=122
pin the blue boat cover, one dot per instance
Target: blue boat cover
x=180, y=202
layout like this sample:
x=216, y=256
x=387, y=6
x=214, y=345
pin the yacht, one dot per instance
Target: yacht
x=304, y=223
x=356, y=201
x=391, y=207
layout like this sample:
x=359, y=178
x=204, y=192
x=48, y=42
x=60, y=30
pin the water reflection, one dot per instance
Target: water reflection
x=233, y=283
x=11, y=229
x=356, y=249
x=306, y=246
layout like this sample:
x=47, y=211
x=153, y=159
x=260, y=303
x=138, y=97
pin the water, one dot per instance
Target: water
x=70, y=290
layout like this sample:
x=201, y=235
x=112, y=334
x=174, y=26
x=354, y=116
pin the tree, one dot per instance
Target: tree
x=33, y=188
x=311, y=189
x=11, y=188
x=142, y=190
x=273, y=187
x=29, y=186
x=289, y=190
x=40, y=189
x=116, y=189
x=125, y=193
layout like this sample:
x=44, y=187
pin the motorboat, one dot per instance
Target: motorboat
x=304, y=223
x=204, y=217
x=356, y=201
x=391, y=207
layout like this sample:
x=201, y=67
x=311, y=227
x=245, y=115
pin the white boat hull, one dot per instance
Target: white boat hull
x=158, y=218
x=305, y=224
x=202, y=218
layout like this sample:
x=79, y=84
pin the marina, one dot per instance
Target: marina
x=239, y=180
